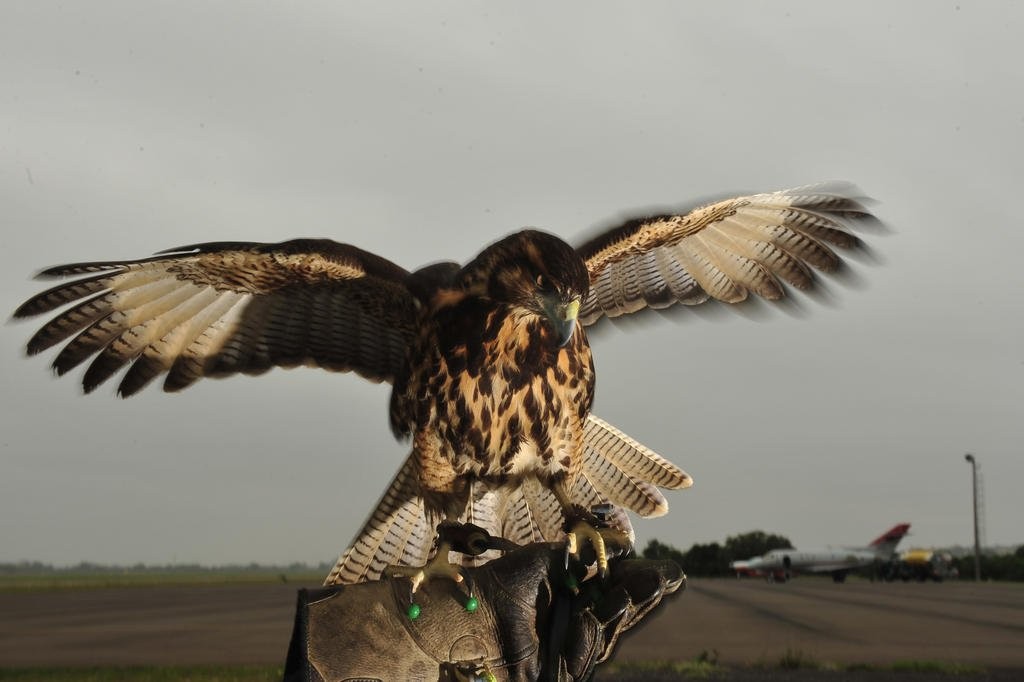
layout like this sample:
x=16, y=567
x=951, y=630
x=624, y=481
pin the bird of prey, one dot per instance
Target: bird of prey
x=491, y=368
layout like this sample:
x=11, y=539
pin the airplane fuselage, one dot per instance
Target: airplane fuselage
x=782, y=563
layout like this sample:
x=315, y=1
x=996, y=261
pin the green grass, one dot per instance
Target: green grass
x=247, y=673
x=936, y=667
x=794, y=659
x=689, y=670
x=705, y=666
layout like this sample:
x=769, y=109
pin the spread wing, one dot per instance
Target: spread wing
x=724, y=251
x=221, y=308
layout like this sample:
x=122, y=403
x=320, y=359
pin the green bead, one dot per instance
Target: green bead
x=414, y=611
x=489, y=676
x=471, y=604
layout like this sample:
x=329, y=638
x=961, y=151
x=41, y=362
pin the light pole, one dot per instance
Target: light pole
x=974, y=490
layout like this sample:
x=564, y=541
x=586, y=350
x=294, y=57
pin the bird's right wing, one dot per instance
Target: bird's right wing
x=221, y=308
x=722, y=251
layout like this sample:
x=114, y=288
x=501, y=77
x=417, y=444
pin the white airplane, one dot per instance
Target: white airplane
x=780, y=564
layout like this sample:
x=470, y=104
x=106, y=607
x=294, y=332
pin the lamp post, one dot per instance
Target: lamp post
x=974, y=490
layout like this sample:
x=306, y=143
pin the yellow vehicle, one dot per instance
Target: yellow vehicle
x=921, y=565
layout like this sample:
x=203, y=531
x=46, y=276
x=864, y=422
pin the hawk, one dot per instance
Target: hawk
x=492, y=374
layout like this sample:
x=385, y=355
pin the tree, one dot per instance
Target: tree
x=713, y=559
x=706, y=559
x=754, y=543
x=661, y=551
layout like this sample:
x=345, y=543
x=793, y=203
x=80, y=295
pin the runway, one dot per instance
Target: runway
x=739, y=622
x=751, y=621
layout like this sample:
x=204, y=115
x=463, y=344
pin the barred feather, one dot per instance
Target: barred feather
x=616, y=469
x=724, y=251
x=504, y=413
x=299, y=302
x=396, y=532
x=632, y=458
x=625, y=472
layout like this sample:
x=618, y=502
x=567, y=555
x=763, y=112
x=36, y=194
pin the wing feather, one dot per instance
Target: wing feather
x=631, y=457
x=195, y=314
x=614, y=484
x=223, y=308
x=397, y=532
x=723, y=250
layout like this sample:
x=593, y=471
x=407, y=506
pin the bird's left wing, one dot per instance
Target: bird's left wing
x=723, y=251
x=221, y=308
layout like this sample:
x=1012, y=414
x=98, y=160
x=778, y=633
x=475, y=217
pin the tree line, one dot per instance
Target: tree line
x=1008, y=566
x=713, y=559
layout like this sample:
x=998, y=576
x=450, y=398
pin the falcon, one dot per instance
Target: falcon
x=492, y=374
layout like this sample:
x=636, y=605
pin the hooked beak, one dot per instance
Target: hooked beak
x=563, y=319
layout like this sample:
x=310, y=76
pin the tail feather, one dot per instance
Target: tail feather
x=621, y=489
x=616, y=469
x=632, y=458
x=397, y=532
x=544, y=508
x=502, y=512
x=625, y=472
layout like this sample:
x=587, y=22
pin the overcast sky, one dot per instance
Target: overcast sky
x=424, y=131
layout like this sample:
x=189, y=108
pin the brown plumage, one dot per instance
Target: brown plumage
x=493, y=378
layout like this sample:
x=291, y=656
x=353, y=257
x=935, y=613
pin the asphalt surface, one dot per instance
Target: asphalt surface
x=738, y=623
x=751, y=621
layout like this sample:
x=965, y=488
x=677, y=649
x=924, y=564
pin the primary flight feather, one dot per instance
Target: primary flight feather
x=490, y=364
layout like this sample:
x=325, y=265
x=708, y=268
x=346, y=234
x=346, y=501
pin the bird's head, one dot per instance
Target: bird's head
x=537, y=273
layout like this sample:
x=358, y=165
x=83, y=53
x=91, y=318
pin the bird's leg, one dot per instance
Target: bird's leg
x=582, y=524
x=437, y=567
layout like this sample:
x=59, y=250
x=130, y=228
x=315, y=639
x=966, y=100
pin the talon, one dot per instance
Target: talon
x=615, y=541
x=585, y=529
x=438, y=567
x=464, y=577
x=572, y=543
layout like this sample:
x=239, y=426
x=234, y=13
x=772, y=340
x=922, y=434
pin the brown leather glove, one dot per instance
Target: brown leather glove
x=534, y=619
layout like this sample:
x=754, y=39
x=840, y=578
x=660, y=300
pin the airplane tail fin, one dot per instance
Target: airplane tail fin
x=885, y=544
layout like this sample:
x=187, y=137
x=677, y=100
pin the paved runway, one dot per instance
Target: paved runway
x=750, y=621
x=743, y=621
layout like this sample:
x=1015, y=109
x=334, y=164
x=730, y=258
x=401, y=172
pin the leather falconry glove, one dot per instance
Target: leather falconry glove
x=531, y=616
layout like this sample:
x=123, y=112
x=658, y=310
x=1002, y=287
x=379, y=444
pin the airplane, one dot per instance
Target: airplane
x=780, y=564
x=753, y=568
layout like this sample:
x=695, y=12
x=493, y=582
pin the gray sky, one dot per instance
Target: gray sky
x=423, y=131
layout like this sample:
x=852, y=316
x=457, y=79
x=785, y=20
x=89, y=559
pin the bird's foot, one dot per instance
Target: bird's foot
x=438, y=567
x=588, y=526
